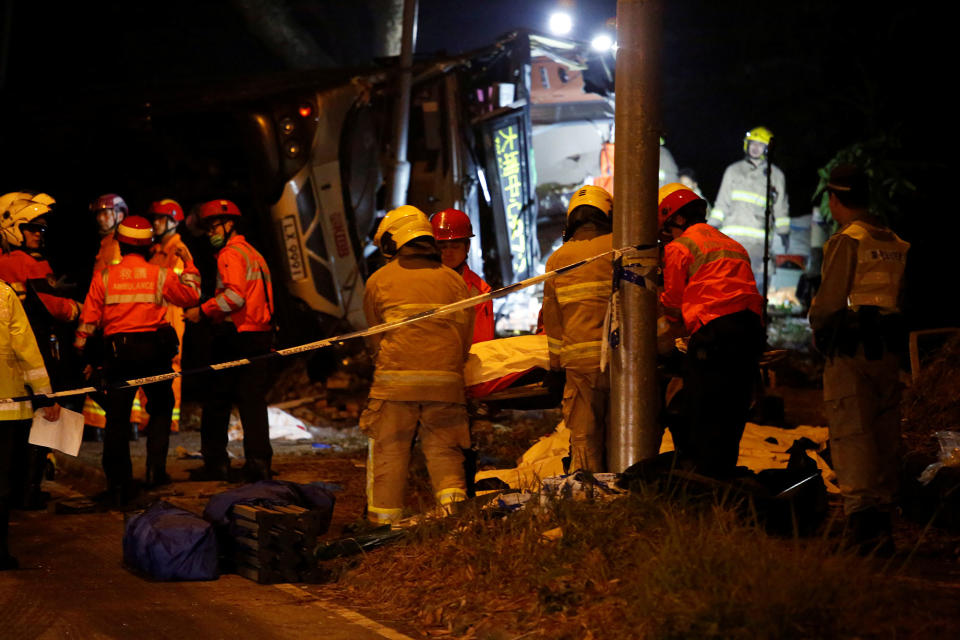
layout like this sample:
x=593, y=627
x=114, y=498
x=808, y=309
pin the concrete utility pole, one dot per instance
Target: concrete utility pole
x=634, y=430
x=400, y=181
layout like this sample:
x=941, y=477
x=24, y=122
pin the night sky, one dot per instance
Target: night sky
x=821, y=74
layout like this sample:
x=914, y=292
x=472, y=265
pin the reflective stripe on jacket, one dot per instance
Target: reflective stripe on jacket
x=422, y=361
x=741, y=202
x=18, y=268
x=244, y=293
x=881, y=259
x=483, y=329
x=575, y=303
x=21, y=364
x=707, y=275
x=132, y=297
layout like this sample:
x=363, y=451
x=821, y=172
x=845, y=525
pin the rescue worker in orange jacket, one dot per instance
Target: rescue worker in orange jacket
x=109, y=211
x=452, y=231
x=574, y=308
x=242, y=313
x=129, y=302
x=858, y=326
x=708, y=286
x=419, y=368
x=23, y=225
x=165, y=215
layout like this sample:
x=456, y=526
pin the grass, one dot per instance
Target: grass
x=642, y=566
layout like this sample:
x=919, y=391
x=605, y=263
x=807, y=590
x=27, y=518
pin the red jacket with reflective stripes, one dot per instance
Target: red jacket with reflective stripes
x=18, y=267
x=483, y=322
x=707, y=275
x=132, y=297
x=244, y=294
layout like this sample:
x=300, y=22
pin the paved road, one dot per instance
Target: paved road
x=72, y=585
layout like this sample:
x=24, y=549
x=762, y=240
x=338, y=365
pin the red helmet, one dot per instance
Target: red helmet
x=166, y=207
x=672, y=197
x=217, y=209
x=135, y=230
x=109, y=201
x=451, y=224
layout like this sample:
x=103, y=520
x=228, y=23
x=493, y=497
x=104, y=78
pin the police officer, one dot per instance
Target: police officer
x=452, y=230
x=418, y=381
x=574, y=308
x=242, y=312
x=857, y=325
x=740, y=209
x=129, y=302
x=708, y=287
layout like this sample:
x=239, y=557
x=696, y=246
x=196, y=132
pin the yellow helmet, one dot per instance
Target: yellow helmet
x=19, y=208
x=757, y=134
x=400, y=226
x=594, y=196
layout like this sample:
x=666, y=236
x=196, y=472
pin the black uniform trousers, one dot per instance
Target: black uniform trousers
x=136, y=355
x=11, y=431
x=246, y=387
x=720, y=374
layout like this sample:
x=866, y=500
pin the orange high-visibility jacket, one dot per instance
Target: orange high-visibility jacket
x=132, y=297
x=423, y=361
x=707, y=275
x=575, y=303
x=483, y=322
x=18, y=267
x=108, y=254
x=244, y=293
x=163, y=255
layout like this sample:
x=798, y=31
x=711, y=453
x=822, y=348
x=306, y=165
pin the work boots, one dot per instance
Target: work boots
x=156, y=474
x=256, y=470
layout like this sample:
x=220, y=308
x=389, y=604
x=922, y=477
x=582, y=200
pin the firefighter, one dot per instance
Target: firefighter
x=709, y=287
x=419, y=368
x=857, y=325
x=574, y=308
x=452, y=231
x=23, y=225
x=109, y=211
x=128, y=301
x=21, y=366
x=165, y=215
x=740, y=208
x=242, y=313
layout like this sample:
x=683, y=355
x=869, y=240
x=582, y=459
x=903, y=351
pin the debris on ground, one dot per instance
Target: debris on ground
x=932, y=402
x=949, y=455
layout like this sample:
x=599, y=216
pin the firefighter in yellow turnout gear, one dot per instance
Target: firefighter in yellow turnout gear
x=574, y=307
x=741, y=203
x=418, y=380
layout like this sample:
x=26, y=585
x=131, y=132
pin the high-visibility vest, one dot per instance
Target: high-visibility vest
x=881, y=260
x=18, y=268
x=707, y=275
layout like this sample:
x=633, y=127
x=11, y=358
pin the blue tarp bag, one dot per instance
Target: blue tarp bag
x=267, y=493
x=168, y=543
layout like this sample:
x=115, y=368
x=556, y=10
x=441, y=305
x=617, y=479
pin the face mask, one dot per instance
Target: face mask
x=217, y=240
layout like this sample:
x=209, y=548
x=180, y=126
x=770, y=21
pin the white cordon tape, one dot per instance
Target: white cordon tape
x=632, y=251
